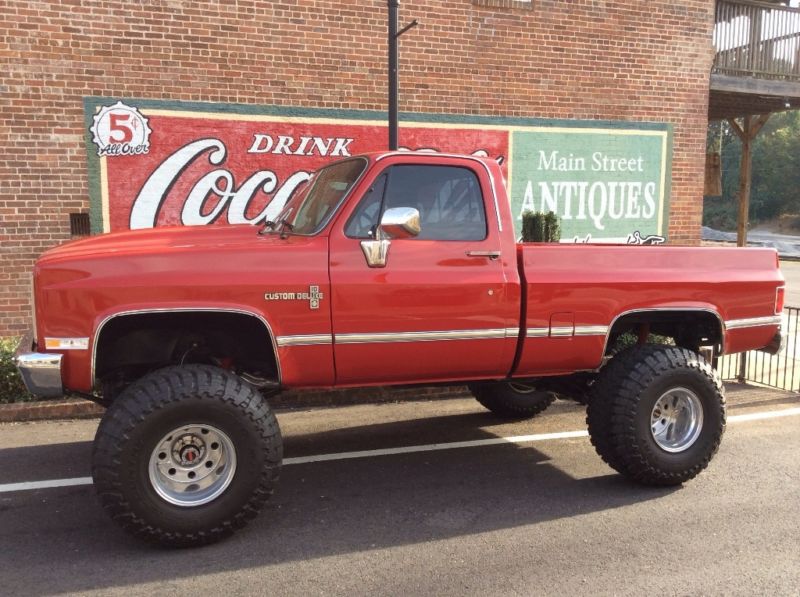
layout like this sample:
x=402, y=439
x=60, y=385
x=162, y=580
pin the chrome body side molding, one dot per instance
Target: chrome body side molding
x=537, y=332
x=567, y=331
x=591, y=330
x=562, y=331
x=305, y=340
x=752, y=322
x=432, y=336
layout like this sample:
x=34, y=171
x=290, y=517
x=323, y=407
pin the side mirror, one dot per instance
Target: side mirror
x=397, y=222
x=400, y=222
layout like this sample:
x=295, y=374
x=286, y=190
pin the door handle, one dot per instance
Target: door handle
x=490, y=254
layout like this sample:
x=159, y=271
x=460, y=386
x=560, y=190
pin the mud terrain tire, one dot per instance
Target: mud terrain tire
x=512, y=400
x=634, y=400
x=194, y=403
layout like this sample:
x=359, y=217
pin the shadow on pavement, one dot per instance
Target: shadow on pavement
x=60, y=541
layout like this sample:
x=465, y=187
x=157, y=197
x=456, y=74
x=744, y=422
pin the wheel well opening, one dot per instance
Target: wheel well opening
x=687, y=329
x=129, y=346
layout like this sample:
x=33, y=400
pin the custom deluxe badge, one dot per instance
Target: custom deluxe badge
x=313, y=296
x=120, y=130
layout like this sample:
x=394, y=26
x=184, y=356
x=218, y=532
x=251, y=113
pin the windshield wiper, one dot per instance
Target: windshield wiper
x=269, y=226
x=284, y=225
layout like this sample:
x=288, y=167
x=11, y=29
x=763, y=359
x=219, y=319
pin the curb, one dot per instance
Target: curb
x=64, y=408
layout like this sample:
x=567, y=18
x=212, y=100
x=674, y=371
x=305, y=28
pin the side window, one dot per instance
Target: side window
x=448, y=198
x=364, y=220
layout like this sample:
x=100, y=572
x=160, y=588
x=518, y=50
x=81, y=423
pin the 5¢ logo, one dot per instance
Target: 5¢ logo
x=120, y=130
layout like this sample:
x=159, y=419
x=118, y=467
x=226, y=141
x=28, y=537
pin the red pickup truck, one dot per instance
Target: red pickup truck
x=390, y=268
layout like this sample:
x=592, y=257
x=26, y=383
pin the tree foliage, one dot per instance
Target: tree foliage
x=11, y=387
x=775, y=188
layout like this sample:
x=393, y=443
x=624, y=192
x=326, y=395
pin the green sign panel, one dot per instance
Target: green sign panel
x=605, y=185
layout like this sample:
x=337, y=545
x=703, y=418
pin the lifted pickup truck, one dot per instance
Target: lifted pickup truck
x=390, y=268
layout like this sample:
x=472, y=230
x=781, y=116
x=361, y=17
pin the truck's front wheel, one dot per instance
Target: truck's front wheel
x=186, y=455
x=657, y=414
x=512, y=400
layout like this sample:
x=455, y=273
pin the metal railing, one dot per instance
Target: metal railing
x=757, y=39
x=781, y=371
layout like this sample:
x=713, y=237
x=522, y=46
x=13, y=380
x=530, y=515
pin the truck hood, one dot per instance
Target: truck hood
x=158, y=240
x=180, y=266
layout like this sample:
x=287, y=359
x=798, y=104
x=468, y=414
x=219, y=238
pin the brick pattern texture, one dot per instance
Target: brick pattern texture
x=635, y=60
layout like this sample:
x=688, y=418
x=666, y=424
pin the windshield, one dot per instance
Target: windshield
x=323, y=194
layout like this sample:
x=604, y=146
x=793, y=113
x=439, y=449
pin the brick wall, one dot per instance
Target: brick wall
x=583, y=59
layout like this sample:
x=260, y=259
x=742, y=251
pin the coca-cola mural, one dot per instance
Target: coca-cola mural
x=154, y=163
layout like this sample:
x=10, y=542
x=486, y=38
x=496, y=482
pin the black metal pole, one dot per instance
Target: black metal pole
x=393, y=8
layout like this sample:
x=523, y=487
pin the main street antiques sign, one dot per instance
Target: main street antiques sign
x=158, y=163
x=605, y=185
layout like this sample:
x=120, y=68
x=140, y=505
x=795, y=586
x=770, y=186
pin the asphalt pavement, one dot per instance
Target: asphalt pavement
x=540, y=516
x=787, y=245
x=791, y=271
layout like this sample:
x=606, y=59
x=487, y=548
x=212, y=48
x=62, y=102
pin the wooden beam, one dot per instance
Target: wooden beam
x=736, y=128
x=762, y=120
x=751, y=85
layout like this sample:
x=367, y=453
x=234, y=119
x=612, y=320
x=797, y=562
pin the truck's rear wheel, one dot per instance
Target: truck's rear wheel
x=657, y=414
x=186, y=455
x=512, y=400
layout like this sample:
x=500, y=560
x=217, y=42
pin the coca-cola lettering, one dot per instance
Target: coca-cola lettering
x=305, y=146
x=151, y=196
x=218, y=183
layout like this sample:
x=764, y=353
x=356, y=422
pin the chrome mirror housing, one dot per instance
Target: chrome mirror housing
x=376, y=251
x=397, y=222
x=400, y=222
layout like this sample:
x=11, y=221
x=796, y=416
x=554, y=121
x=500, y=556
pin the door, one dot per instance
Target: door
x=442, y=308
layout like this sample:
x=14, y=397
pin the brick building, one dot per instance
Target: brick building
x=516, y=68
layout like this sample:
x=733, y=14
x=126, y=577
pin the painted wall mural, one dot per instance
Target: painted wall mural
x=158, y=163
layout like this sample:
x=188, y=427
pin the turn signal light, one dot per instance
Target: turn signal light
x=66, y=343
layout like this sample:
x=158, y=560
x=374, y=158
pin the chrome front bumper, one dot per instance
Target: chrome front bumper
x=778, y=342
x=41, y=372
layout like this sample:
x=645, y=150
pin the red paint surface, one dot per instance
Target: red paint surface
x=597, y=283
x=426, y=286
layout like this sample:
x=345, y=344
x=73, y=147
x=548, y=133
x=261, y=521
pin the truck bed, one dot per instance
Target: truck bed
x=573, y=294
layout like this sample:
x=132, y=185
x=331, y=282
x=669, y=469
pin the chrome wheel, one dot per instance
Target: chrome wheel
x=676, y=420
x=521, y=388
x=192, y=465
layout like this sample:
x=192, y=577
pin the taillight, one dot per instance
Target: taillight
x=780, y=298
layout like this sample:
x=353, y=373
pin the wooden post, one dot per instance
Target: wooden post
x=745, y=180
x=751, y=125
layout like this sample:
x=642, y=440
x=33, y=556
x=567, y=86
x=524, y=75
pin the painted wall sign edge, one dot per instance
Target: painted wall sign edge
x=249, y=112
